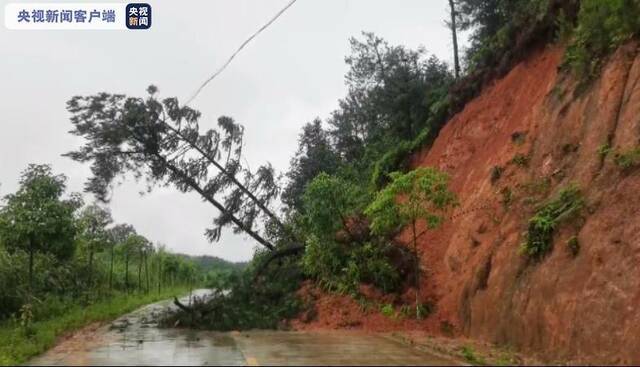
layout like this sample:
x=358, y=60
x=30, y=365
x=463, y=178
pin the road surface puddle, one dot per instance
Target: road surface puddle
x=135, y=339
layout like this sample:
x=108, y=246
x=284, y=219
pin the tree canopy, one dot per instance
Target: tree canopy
x=37, y=218
x=161, y=141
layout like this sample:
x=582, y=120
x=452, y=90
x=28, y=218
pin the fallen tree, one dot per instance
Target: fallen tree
x=161, y=142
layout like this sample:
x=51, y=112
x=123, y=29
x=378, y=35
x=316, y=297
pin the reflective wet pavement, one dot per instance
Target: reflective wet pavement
x=134, y=339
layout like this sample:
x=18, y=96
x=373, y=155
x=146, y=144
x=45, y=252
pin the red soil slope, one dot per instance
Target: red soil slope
x=565, y=306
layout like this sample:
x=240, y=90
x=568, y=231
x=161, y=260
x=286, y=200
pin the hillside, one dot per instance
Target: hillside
x=214, y=263
x=565, y=304
x=575, y=303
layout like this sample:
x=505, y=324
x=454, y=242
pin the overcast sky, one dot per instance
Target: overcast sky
x=290, y=74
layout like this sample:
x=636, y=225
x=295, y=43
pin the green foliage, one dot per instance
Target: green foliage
x=424, y=193
x=36, y=218
x=497, y=26
x=342, y=268
x=397, y=101
x=423, y=310
x=604, y=150
x=507, y=196
x=332, y=205
x=327, y=263
x=395, y=158
x=419, y=195
x=52, y=251
x=315, y=155
x=602, y=26
x=573, y=246
x=393, y=93
x=518, y=138
x=16, y=346
x=328, y=202
x=470, y=355
x=496, y=173
x=250, y=301
x=542, y=226
x=388, y=310
x=628, y=159
x=521, y=160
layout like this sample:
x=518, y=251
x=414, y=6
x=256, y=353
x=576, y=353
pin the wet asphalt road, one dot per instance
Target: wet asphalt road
x=134, y=339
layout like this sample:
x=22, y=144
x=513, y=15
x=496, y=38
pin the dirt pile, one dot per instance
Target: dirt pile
x=515, y=146
x=334, y=311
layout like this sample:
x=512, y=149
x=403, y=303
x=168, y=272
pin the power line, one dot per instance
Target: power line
x=224, y=66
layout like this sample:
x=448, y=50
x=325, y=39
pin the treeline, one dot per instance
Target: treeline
x=55, y=249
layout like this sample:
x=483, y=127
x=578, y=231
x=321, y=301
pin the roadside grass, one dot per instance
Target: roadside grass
x=470, y=355
x=17, y=346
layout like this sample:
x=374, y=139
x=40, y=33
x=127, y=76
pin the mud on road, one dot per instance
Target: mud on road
x=135, y=339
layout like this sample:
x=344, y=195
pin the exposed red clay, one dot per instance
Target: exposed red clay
x=582, y=308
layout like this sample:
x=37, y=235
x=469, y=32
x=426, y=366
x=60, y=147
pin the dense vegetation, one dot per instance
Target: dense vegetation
x=58, y=254
x=542, y=226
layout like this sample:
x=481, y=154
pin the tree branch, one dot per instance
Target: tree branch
x=289, y=251
x=228, y=174
x=194, y=185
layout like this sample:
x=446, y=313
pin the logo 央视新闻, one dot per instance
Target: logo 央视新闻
x=138, y=16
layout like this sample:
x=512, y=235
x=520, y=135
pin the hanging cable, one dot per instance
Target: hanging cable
x=224, y=66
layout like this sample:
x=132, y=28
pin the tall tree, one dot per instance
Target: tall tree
x=390, y=93
x=92, y=224
x=314, y=156
x=119, y=234
x=162, y=142
x=160, y=260
x=419, y=195
x=37, y=219
x=142, y=248
x=454, y=36
x=131, y=249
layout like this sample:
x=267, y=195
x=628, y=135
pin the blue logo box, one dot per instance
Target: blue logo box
x=138, y=16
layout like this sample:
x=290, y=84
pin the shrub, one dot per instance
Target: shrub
x=604, y=150
x=391, y=161
x=425, y=197
x=342, y=268
x=331, y=204
x=507, y=196
x=570, y=148
x=539, y=237
x=628, y=159
x=252, y=302
x=573, y=246
x=520, y=160
x=518, y=137
x=388, y=310
x=496, y=173
x=328, y=202
x=469, y=354
x=396, y=158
